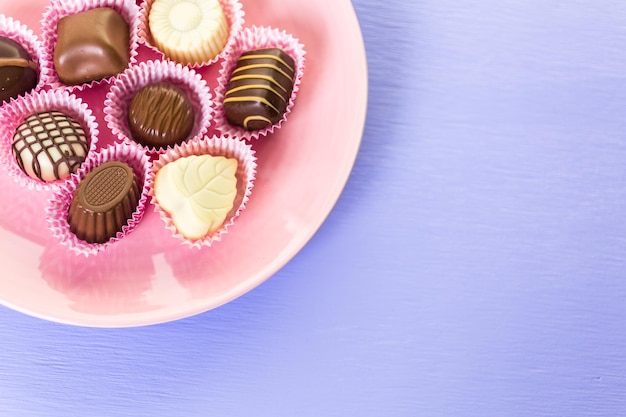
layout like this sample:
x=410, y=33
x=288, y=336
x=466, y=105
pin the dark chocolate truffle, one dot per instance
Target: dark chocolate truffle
x=49, y=145
x=259, y=88
x=104, y=202
x=91, y=45
x=160, y=115
x=18, y=71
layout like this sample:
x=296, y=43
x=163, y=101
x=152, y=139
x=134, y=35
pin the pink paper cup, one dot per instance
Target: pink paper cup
x=58, y=207
x=216, y=146
x=125, y=87
x=13, y=114
x=58, y=9
x=16, y=31
x=253, y=38
x=234, y=16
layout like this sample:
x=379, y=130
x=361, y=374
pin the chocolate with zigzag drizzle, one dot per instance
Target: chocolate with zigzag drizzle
x=259, y=88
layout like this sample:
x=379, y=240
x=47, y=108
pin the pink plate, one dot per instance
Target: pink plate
x=149, y=277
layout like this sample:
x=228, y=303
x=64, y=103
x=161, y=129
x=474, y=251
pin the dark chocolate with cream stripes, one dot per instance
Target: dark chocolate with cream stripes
x=259, y=88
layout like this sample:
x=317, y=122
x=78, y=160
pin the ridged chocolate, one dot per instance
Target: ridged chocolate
x=50, y=145
x=259, y=88
x=160, y=115
x=188, y=32
x=104, y=202
x=91, y=45
x=18, y=71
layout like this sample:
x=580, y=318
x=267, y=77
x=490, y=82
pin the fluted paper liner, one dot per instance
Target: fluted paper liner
x=20, y=33
x=256, y=37
x=216, y=146
x=234, y=16
x=14, y=113
x=124, y=88
x=57, y=9
x=58, y=206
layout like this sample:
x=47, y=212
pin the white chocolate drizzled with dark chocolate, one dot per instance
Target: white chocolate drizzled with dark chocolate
x=49, y=146
x=259, y=88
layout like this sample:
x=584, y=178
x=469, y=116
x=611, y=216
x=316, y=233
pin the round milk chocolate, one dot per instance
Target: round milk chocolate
x=104, y=202
x=18, y=71
x=160, y=115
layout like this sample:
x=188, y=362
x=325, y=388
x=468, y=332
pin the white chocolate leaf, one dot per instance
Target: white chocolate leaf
x=198, y=192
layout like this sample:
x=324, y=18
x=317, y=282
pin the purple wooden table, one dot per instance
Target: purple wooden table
x=474, y=266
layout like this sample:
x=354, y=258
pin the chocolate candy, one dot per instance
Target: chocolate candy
x=49, y=146
x=103, y=202
x=160, y=115
x=91, y=45
x=198, y=192
x=188, y=31
x=259, y=88
x=18, y=71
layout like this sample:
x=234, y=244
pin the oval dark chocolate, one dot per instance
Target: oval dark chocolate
x=104, y=202
x=18, y=71
x=259, y=88
x=160, y=115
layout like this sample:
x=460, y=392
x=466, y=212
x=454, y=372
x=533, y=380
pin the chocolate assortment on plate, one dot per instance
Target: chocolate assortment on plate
x=182, y=143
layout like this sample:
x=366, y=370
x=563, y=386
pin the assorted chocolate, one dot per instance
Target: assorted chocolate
x=91, y=45
x=188, y=31
x=104, y=202
x=198, y=192
x=18, y=70
x=260, y=88
x=160, y=115
x=49, y=146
